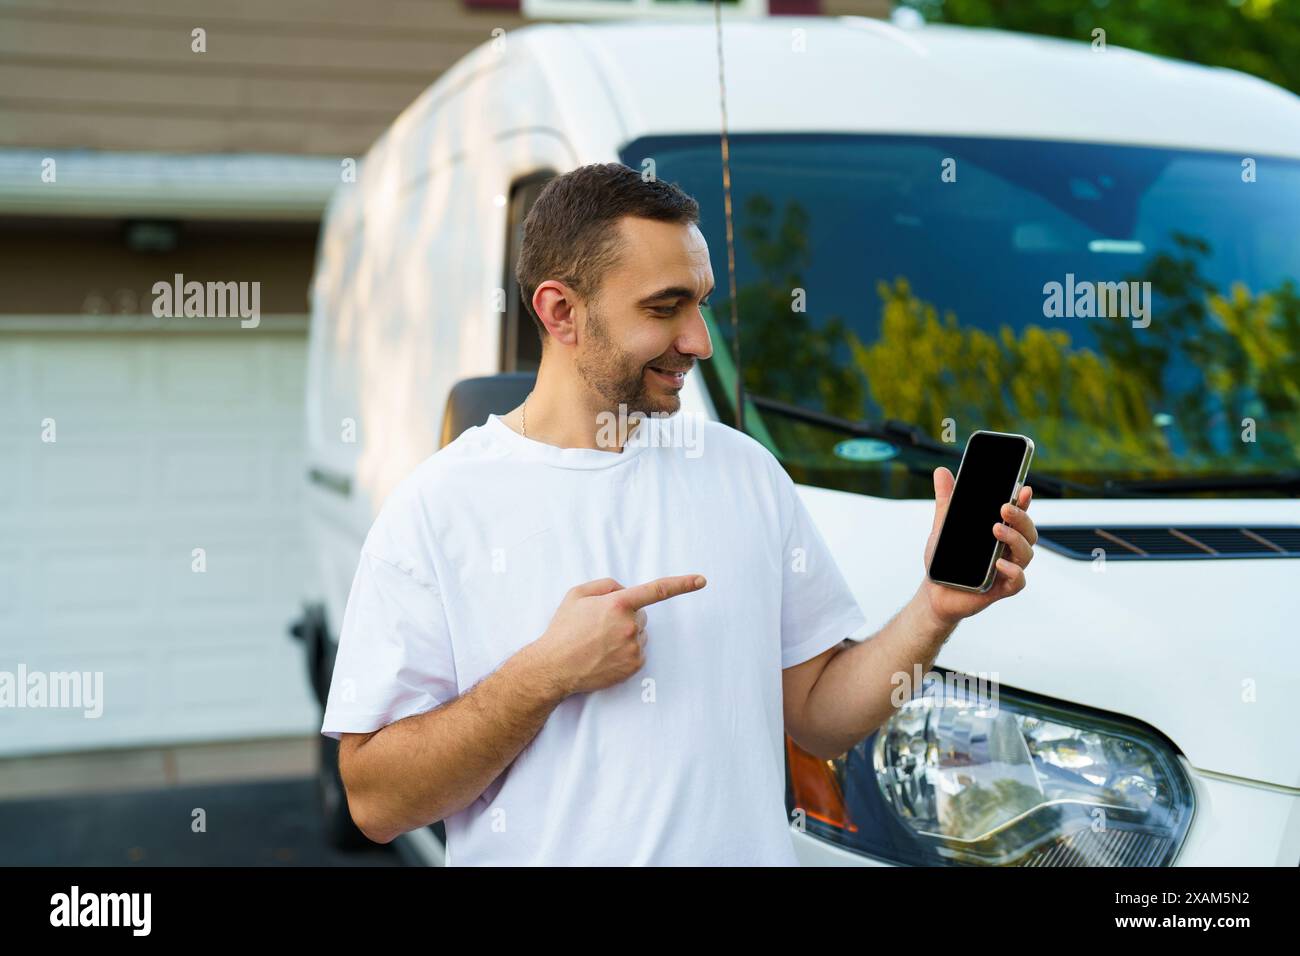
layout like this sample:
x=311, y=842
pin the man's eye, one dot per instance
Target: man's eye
x=706, y=303
x=664, y=309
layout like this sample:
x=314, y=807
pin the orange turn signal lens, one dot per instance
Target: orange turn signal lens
x=816, y=789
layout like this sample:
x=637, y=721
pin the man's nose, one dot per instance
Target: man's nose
x=695, y=339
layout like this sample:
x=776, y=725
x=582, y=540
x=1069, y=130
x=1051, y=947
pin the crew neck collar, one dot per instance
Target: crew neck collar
x=583, y=458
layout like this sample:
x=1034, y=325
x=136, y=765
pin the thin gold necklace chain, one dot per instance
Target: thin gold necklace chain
x=523, y=415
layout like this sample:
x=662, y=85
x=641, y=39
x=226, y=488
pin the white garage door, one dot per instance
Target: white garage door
x=156, y=541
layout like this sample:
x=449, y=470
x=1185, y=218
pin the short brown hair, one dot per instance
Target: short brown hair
x=571, y=232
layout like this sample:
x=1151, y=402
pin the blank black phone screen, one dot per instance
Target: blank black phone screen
x=985, y=480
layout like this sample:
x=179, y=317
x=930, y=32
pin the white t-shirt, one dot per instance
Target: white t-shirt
x=683, y=762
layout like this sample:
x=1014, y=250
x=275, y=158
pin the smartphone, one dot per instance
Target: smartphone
x=992, y=470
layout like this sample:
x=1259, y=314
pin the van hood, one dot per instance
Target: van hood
x=1203, y=650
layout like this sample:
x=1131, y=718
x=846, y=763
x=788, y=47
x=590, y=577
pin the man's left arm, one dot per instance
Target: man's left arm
x=845, y=693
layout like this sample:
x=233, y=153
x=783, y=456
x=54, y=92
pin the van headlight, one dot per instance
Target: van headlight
x=955, y=779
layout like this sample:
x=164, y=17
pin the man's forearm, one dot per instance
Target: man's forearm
x=425, y=768
x=853, y=695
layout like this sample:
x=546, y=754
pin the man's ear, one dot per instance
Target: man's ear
x=554, y=304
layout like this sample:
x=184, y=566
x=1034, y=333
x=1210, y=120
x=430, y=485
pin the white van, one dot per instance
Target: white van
x=919, y=217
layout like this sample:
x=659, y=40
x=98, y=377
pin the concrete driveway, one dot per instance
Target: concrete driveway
x=256, y=801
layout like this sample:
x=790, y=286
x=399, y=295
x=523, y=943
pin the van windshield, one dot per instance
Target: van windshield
x=1135, y=311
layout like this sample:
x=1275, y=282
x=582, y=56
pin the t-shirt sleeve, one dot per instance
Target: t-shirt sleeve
x=817, y=608
x=395, y=652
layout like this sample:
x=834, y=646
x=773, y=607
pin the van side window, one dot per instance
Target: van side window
x=521, y=349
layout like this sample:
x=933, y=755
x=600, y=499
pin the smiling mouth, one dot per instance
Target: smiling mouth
x=671, y=376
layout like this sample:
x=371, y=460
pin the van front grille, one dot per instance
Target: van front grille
x=1112, y=847
x=1162, y=542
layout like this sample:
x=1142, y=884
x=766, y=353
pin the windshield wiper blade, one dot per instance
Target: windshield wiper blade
x=889, y=430
x=1283, y=481
x=904, y=433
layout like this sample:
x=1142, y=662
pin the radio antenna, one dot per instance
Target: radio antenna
x=731, y=244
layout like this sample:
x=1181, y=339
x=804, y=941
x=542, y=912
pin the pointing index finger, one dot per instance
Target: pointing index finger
x=662, y=589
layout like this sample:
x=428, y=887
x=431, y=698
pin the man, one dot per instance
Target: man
x=579, y=643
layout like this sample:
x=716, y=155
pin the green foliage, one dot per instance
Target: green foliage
x=1089, y=412
x=1101, y=410
x=1113, y=409
x=1260, y=37
x=787, y=355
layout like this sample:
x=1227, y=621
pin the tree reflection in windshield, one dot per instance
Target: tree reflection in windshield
x=832, y=317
